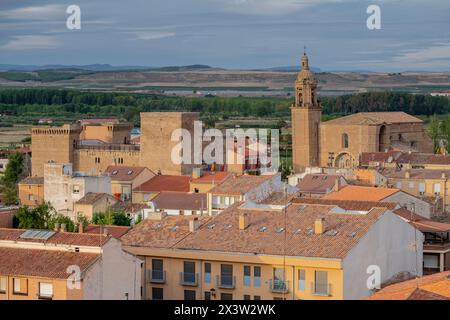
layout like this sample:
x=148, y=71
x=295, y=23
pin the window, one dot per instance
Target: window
x=437, y=188
x=301, y=280
x=247, y=276
x=189, y=295
x=430, y=261
x=411, y=184
x=226, y=296
x=30, y=197
x=246, y=297
x=189, y=272
x=256, y=277
x=421, y=188
x=20, y=286
x=3, y=284
x=157, y=293
x=321, y=283
x=45, y=290
x=257, y=298
x=344, y=140
x=226, y=274
x=76, y=189
x=207, y=272
x=157, y=270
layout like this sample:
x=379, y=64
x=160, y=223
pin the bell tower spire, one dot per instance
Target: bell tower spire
x=306, y=116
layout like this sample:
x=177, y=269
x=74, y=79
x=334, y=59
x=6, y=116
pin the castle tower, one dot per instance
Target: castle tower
x=305, y=114
x=53, y=144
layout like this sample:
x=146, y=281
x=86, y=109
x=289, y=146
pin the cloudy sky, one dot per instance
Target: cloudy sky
x=415, y=34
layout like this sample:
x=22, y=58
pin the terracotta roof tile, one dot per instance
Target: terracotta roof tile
x=93, y=197
x=361, y=193
x=115, y=231
x=318, y=183
x=418, y=174
x=210, y=177
x=432, y=286
x=123, y=173
x=165, y=183
x=62, y=238
x=32, y=180
x=347, y=204
x=239, y=185
x=264, y=235
x=374, y=118
x=169, y=200
x=42, y=263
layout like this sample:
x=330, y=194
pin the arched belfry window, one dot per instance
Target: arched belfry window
x=344, y=140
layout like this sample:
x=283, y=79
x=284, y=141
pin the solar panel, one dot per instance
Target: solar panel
x=37, y=234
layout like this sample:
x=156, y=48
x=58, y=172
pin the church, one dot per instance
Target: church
x=339, y=143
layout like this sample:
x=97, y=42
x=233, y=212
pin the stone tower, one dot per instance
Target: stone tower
x=156, y=145
x=53, y=144
x=306, y=115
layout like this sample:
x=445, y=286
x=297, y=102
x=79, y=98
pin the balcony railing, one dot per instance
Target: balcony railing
x=226, y=282
x=278, y=286
x=108, y=147
x=42, y=296
x=156, y=276
x=189, y=279
x=321, y=289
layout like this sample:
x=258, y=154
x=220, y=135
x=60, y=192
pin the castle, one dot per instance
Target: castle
x=340, y=142
x=94, y=145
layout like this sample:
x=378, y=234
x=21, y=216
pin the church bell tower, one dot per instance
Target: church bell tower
x=305, y=115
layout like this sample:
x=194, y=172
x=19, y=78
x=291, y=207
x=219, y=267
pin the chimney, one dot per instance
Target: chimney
x=443, y=176
x=407, y=174
x=196, y=173
x=63, y=227
x=80, y=228
x=319, y=226
x=243, y=221
x=56, y=228
x=337, y=184
x=193, y=224
x=105, y=231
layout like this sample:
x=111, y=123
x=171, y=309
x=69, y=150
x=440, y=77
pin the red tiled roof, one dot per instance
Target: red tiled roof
x=42, y=263
x=264, y=234
x=239, y=185
x=367, y=157
x=165, y=183
x=93, y=197
x=431, y=287
x=374, y=118
x=318, y=183
x=170, y=200
x=347, y=204
x=211, y=177
x=62, y=238
x=124, y=173
x=115, y=231
x=361, y=193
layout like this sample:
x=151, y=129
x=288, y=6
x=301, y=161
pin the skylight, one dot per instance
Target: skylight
x=37, y=234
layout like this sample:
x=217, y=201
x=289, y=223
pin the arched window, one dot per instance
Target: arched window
x=344, y=140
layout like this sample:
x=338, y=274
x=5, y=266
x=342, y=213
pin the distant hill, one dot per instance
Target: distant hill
x=289, y=69
x=98, y=67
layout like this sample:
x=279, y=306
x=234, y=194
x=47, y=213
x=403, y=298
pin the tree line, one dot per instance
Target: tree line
x=63, y=102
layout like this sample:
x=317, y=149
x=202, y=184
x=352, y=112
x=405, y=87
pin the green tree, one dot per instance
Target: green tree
x=434, y=130
x=13, y=173
x=111, y=217
x=35, y=218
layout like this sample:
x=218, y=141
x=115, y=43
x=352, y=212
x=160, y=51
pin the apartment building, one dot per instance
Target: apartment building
x=50, y=265
x=254, y=251
x=237, y=188
x=63, y=187
x=358, y=193
x=433, y=184
x=93, y=202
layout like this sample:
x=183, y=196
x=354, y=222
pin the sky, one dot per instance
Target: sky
x=244, y=34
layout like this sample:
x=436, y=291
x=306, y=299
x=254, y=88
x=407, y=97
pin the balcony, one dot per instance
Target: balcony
x=189, y=279
x=156, y=276
x=226, y=282
x=278, y=286
x=42, y=296
x=321, y=289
